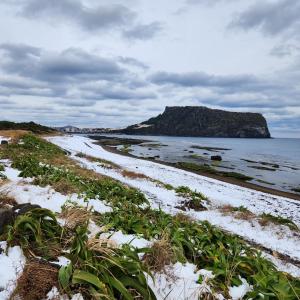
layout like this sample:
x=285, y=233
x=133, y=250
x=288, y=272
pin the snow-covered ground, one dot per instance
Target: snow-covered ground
x=11, y=266
x=220, y=193
x=183, y=284
x=277, y=238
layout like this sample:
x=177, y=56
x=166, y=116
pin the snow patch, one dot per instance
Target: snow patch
x=238, y=292
x=13, y=264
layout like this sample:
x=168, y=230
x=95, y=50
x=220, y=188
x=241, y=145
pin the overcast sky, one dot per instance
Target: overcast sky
x=108, y=63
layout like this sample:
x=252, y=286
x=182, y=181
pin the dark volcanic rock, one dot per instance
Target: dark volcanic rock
x=6, y=218
x=202, y=121
x=216, y=157
x=8, y=215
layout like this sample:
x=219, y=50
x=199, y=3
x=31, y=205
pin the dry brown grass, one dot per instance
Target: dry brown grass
x=183, y=218
x=102, y=245
x=64, y=187
x=243, y=214
x=3, y=181
x=66, y=162
x=36, y=281
x=161, y=256
x=133, y=175
x=15, y=135
x=5, y=199
x=264, y=222
x=75, y=216
x=103, y=162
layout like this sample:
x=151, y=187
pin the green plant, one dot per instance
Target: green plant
x=105, y=273
x=37, y=230
x=210, y=170
x=266, y=218
x=2, y=176
x=118, y=273
x=208, y=247
x=240, y=209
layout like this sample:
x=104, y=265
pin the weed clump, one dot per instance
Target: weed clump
x=99, y=270
x=32, y=229
x=96, y=270
x=160, y=255
x=193, y=200
x=227, y=256
x=266, y=219
x=37, y=279
x=5, y=199
x=240, y=212
x=2, y=176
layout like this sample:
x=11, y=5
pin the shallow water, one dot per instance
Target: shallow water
x=282, y=152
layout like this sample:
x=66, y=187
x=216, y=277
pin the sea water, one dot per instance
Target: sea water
x=274, y=163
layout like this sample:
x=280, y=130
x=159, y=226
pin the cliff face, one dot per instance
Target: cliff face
x=202, y=121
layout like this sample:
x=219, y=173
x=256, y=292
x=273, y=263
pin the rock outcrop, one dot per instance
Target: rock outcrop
x=199, y=121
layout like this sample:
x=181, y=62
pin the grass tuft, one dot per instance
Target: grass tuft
x=266, y=219
x=36, y=281
x=160, y=255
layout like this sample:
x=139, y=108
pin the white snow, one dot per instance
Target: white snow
x=220, y=193
x=121, y=238
x=138, y=126
x=183, y=282
x=55, y=295
x=183, y=286
x=4, y=139
x=277, y=238
x=63, y=261
x=238, y=292
x=46, y=197
x=11, y=265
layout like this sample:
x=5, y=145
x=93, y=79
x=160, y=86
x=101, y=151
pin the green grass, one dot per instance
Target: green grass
x=211, y=170
x=31, y=126
x=101, y=273
x=268, y=218
x=33, y=158
x=102, y=162
x=197, y=242
x=240, y=209
x=2, y=176
x=210, y=248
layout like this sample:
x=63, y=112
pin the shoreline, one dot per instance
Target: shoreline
x=233, y=181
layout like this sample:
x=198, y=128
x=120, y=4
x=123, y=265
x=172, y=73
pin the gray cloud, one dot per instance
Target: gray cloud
x=132, y=62
x=271, y=17
x=81, y=78
x=205, y=2
x=71, y=64
x=143, y=32
x=101, y=17
x=285, y=50
x=91, y=19
x=201, y=79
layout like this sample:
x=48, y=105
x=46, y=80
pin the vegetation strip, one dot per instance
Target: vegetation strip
x=227, y=256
